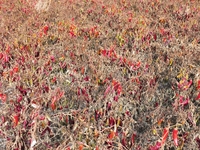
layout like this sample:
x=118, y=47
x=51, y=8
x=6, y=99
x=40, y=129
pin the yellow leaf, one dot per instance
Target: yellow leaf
x=118, y=121
x=120, y=108
x=154, y=131
x=124, y=71
x=34, y=35
x=43, y=124
x=16, y=44
x=191, y=66
x=179, y=76
x=170, y=62
x=186, y=76
x=48, y=117
x=62, y=58
x=96, y=133
x=31, y=82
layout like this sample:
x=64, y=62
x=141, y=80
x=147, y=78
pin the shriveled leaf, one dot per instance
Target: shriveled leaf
x=33, y=142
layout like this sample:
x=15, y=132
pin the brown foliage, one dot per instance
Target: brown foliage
x=98, y=74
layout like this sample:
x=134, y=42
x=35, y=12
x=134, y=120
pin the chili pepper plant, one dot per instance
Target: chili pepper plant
x=99, y=74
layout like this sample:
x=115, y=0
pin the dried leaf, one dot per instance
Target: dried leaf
x=33, y=142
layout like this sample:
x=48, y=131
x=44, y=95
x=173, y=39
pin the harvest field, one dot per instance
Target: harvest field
x=100, y=74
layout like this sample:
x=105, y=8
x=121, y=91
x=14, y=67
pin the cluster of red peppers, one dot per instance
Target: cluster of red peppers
x=164, y=138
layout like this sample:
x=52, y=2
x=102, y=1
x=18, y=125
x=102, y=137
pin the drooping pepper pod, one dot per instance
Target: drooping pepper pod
x=175, y=136
x=165, y=135
x=15, y=120
x=111, y=135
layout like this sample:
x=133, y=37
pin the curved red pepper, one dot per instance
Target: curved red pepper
x=16, y=120
x=3, y=97
x=165, y=135
x=53, y=105
x=198, y=96
x=133, y=139
x=175, y=138
x=156, y=147
x=111, y=135
x=45, y=29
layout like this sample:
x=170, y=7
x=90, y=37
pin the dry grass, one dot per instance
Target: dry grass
x=99, y=74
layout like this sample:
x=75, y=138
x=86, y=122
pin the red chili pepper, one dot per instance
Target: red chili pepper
x=81, y=147
x=97, y=148
x=19, y=99
x=198, y=141
x=198, y=85
x=111, y=135
x=160, y=121
x=119, y=90
x=3, y=119
x=117, y=87
x=198, y=96
x=45, y=29
x=53, y=105
x=1, y=55
x=68, y=148
x=111, y=121
x=107, y=91
x=133, y=138
x=16, y=120
x=156, y=147
x=3, y=97
x=175, y=133
x=15, y=69
x=124, y=142
x=165, y=135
